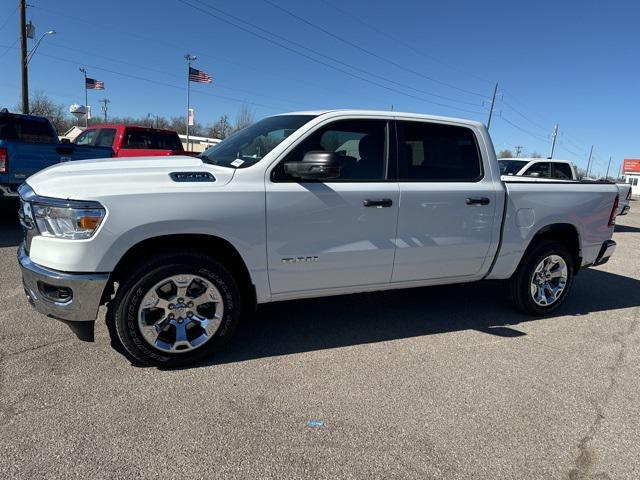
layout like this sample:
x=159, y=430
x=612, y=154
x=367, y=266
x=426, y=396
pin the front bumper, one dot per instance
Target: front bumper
x=605, y=253
x=65, y=296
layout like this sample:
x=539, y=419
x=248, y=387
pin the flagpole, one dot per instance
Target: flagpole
x=86, y=99
x=189, y=58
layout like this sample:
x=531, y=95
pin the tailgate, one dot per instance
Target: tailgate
x=25, y=159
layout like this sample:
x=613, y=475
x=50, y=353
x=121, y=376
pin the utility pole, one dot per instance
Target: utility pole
x=589, y=161
x=608, y=165
x=493, y=102
x=518, y=150
x=105, y=108
x=189, y=58
x=86, y=98
x=553, y=139
x=23, y=56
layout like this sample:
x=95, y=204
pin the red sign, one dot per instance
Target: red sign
x=631, y=166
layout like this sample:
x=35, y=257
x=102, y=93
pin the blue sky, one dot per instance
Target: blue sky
x=569, y=62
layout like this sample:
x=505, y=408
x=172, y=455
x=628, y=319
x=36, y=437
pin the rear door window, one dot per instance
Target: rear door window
x=153, y=140
x=562, y=171
x=106, y=137
x=434, y=152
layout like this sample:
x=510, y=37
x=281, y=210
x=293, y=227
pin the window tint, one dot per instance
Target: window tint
x=511, y=167
x=360, y=144
x=434, y=152
x=251, y=144
x=149, y=139
x=562, y=171
x=32, y=130
x=86, y=138
x=105, y=139
x=540, y=170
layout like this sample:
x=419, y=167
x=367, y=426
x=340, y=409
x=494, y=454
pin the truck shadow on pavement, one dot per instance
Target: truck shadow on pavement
x=316, y=324
x=626, y=229
x=10, y=230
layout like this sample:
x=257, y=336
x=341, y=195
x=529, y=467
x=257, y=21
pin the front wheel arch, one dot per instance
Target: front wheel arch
x=210, y=245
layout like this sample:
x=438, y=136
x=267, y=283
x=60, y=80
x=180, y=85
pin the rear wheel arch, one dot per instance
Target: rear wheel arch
x=564, y=233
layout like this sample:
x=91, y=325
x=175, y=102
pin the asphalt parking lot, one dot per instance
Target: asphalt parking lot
x=446, y=382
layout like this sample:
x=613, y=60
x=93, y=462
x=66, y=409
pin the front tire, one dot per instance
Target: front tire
x=543, y=278
x=177, y=309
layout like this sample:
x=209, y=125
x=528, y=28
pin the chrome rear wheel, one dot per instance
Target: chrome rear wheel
x=549, y=280
x=180, y=313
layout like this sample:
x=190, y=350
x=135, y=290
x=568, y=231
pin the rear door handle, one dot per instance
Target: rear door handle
x=381, y=203
x=478, y=201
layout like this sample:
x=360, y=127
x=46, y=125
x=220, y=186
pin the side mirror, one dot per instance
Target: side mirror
x=532, y=174
x=315, y=165
x=65, y=140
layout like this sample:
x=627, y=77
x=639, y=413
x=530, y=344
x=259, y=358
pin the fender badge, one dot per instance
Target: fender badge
x=300, y=259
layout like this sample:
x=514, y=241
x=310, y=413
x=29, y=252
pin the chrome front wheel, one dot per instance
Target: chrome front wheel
x=180, y=313
x=549, y=280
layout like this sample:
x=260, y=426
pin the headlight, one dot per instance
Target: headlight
x=67, y=222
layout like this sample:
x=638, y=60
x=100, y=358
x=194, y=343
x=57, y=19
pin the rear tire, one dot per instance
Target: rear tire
x=191, y=308
x=543, y=279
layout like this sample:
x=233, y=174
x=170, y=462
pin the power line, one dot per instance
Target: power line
x=136, y=77
x=170, y=74
x=8, y=47
x=6, y=21
x=313, y=59
x=403, y=43
x=180, y=48
x=375, y=55
x=515, y=125
x=508, y=105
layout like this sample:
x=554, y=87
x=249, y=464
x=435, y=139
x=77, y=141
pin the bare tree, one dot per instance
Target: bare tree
x=535, y=155
x=505, y=154
x=43, y=106
x=221, y=129
x=246, y=116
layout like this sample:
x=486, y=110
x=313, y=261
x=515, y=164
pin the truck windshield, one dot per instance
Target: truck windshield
x=25, y=129
x=250, y=145
x=511, y=167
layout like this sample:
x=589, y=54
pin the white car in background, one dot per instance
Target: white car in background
x=552, y=170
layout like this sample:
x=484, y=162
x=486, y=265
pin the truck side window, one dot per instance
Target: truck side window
x=436, y=152
x=562, y=171
x=136, y=139
x=105, y=139
x=86, y=138
x=539, y=170
x=361, y=144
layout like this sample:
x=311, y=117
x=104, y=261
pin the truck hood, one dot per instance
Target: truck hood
x=91, y=179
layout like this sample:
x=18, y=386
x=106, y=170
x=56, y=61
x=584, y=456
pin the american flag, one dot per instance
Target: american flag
x=199, y=76
x=94, y=84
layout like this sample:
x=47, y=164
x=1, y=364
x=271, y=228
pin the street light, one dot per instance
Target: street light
x=33, y=50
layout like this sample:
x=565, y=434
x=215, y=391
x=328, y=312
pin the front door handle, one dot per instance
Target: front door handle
x=478, y=201
x=381, y=203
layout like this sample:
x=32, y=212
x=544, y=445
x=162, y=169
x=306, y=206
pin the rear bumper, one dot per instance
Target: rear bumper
x=605, y=253
x=64, y=296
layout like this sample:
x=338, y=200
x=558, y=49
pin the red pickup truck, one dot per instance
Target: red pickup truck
x=132, y=141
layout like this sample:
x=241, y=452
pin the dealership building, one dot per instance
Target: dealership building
x=631, y=174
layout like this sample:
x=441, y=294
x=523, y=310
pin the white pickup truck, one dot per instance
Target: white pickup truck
x=548, y=170
x=307, y=204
